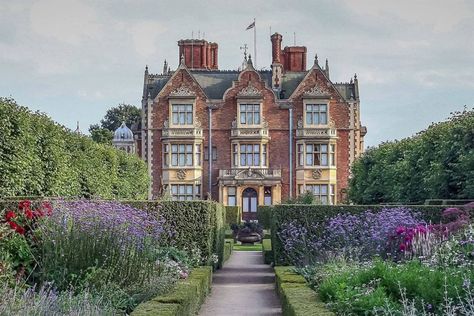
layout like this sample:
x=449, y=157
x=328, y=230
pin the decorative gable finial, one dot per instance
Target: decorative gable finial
x=146, y=68
x=316, y=62
x=355, y=76
x=182, y=63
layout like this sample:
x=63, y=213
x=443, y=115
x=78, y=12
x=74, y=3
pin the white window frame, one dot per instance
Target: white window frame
x=250, y=102
x=263, y=154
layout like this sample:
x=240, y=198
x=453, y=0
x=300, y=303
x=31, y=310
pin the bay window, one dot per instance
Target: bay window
x=249, y=155
x=324, y=193
x=316, y=155
x=182, y=155
x=185, y=192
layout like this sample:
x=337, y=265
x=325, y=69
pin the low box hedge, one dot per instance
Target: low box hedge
x=185, y=299
x=228, y=248
x=297, y=298
x=267, y=251
x=307, y=213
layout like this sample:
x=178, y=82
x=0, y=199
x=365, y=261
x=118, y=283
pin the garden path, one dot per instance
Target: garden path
x=244, y=286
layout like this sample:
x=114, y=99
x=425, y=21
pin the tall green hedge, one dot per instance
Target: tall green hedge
x=41, y=158
x=233, y=215
x=305, y=214
x=198, y=223
x=437, y=163
x=264, y=215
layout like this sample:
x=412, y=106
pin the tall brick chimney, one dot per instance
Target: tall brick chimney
x=198, y=54
x=293, y=58
x=276, y=48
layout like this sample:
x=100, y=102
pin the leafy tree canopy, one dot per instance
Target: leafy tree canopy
x=112, y=120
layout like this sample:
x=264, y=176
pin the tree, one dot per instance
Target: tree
x=116, y=115
x=112, y=120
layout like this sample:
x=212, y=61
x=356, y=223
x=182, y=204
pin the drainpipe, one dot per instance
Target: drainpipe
x=290, y=111
x=210, y=153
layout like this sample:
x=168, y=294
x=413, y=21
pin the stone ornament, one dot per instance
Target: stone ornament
x=181, y=174
x=166, y=124
x=299, y=124
x=249, y=174
x=316, y=92
x=182, y=91
x=249, y=91
x=316, y=174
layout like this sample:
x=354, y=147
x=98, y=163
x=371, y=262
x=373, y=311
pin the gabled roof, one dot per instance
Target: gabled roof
x=215, y=82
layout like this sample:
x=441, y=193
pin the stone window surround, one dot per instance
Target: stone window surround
x=257, y=101
x=196, y=189
x=181, y=101
x=245, y=142
x=316, y=101
x=181, y=142
x=331, y=190
x=331, y=164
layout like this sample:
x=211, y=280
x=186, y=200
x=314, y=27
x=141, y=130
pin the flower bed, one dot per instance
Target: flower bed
x=387, y=263
x=86, y=257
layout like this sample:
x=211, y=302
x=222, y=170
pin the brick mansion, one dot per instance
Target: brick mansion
x=249, y=137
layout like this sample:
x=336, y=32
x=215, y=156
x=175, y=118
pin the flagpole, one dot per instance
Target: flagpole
x=255, y=42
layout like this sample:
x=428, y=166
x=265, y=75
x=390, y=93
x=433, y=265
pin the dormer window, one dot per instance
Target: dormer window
x=182, y=114
x=316, y=114
x=249, y=114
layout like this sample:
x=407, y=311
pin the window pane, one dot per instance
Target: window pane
x=253, y=205
x=324, y=159
x=243, y=161
x=324, y=199
x=309, y=118
x=324, y=148
x=174, y=159
x=256, y=148
x=324, y=119
x=181, y=159
x=257, y=118
x=324, y=189
x=309, y=159
x=256, y=159
x=189, y=148
x=174, y=148
x=249, y=160
x=242, y=118
x=249, y=118
x=181, y=189
x=175, y=118
x=181, y=118
x=309, y=148
x=189, y=189
x=231, y=201
x=174, y=189
x=189, y=118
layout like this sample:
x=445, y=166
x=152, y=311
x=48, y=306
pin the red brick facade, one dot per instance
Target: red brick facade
x=225, y=96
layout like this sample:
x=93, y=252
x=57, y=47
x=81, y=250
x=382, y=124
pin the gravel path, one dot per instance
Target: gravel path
x=244, y=286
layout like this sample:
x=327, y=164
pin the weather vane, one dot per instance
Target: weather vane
x=245, y=47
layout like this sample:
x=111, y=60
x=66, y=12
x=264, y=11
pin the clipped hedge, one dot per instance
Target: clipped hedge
x=185, y=299
x=267, y=251
x=307, y=213
x=39, y=157
x=195, y=223
x=228, y=248
x=233, y=215
x=297, y=298
x=264, y=216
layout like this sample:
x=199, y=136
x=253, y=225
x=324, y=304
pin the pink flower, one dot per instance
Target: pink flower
x=400, y=230
x=403, y=247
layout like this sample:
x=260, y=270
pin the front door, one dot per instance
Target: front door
x=249, y=204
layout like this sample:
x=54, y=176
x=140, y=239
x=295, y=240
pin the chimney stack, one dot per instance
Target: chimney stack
x=198, y=54
x=276, y=48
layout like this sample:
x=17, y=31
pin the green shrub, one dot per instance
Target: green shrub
x=304, y=214
x=297, y=299
x=437, y=163
x=185, y=299
x=228, y=248
x=360, y=289
x=264, y=216
x=267, y=251
x=233, y=215
x=42, y=158
x=195, y=223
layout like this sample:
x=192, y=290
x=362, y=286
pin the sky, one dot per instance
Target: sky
x=74, y=59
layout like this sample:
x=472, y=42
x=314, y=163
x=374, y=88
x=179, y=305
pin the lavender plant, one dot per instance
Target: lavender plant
x=104, y=247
